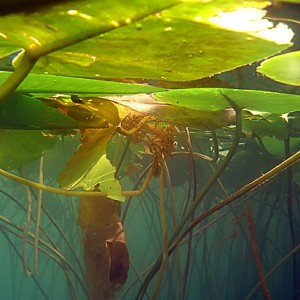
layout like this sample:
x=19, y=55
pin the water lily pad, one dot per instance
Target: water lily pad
x=284, y=68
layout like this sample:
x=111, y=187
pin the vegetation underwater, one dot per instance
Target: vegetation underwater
x=149, y=150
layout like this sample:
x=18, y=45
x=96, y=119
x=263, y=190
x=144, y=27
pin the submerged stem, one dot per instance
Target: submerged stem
x=38, y=218
x=256, y=254
x=221, y=167
x=25, y=232
x=247, y=188
x=163, y=221
x=12, y=82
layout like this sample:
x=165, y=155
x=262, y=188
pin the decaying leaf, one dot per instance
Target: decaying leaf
x=105, y=252
x=89, y=166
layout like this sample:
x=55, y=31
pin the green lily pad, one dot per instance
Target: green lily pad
x=284, y=68
x=48, y=85
x=46, y=29
x=150, y=51
x=270, y=125
x=212, y=99
x=81, y=41
x=207, y=108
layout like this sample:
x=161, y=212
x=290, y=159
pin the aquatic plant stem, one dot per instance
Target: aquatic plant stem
x=12, y=244
x=124, y=153
x=12, y=82
x=256, y=253
x=163, y=221
x=247, y=188
x=38, y=218
x=194, y=181
x=289, y=171
x=209, y=183
x=53, y=253
x=54, y=190
x=173, y=214
x=273, y=269
x=25, y=232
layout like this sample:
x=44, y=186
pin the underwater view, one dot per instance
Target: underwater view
x=150, y=150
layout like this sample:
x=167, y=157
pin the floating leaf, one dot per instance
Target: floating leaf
x=65, y=24
x=276, y=147
x=284, y=68
x=49, y=85
x=262, y=125
x=207, y=108
x=212, y=99
x=86, y=45
x=204, y=118
x=150, y=52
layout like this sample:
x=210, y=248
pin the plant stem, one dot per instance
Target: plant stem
x=289, y=170
x=38, y=218
x=256, y=254
x=163, y=221
x=247, y=188
x=25, y=232
x=221, y=167
x=273, y=269
x=13, y=81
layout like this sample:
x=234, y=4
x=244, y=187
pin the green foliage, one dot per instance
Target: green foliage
x=48, y=85
x=89, y=166
x=68, y=49
x=284, y=68
x=24, y=112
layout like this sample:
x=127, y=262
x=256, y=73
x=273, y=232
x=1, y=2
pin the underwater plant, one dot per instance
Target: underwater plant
x=110, y=101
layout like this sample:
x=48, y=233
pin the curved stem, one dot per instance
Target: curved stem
x=12, y=82
x=54, y=190
x=256, y=254
x=273, y=269
x=12, y=244
x=247, y=188
x=47, y=188
x=221, y=167
x=287, y=149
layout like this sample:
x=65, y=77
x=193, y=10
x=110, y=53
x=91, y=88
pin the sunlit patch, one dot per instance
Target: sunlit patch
x=168, y=29
x=77, y=58
x=250, y=20
x=3, y=35
x=115, y=23
x=35, y=40
x=74, y=12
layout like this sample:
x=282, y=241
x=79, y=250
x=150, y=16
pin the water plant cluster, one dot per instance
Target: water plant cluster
x=133, y=166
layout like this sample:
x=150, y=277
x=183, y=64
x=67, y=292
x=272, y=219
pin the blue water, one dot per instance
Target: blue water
x=222, y=263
